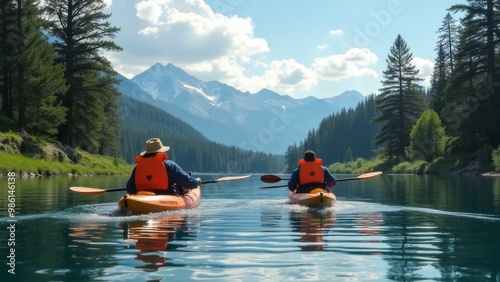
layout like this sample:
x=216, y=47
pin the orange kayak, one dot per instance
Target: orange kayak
x=148, y=202
x=317, y=198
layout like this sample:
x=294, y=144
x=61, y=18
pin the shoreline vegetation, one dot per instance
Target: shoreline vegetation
x=30, y=157
x=466, y=164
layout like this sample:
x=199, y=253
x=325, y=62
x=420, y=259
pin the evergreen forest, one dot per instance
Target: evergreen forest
x=56, y=85
x=459, y=114
x=141, y=121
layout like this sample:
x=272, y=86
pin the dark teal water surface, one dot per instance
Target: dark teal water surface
x=389, y=228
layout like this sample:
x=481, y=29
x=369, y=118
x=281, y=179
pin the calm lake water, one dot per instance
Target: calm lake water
x=389, y=228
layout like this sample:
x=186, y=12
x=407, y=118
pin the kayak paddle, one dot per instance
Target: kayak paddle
x=98, y=191
x=274, y=178
x=269, y=178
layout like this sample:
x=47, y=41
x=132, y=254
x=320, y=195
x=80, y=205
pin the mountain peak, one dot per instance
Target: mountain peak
x=346, y=97
x=158, y=70
x=245, y=117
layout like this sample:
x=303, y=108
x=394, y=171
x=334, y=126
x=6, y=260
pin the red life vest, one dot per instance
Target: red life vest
x=151, y=173
x=311, y=172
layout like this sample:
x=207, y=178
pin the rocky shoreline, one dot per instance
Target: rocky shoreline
x=493, y=174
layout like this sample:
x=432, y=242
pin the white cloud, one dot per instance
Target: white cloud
x=323, y=46
x=355, y=62
x=108, y=3
x=190, y=32
x=289, y=76
x=149, y=30
x=149, y=11
x=336, y=32
x=425, y=68
x=283, y=76
x=186, y=33
x=212, y=46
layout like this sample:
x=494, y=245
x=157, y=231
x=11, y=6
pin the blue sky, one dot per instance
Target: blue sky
x=299, y=48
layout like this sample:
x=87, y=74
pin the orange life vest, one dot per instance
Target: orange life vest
x=151, y=173
x=311, y=172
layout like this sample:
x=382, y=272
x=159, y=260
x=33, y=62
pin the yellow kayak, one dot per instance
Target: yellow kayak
x=148, y=202
x=317, y=198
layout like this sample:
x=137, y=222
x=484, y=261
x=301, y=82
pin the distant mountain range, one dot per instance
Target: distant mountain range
x=265, y=121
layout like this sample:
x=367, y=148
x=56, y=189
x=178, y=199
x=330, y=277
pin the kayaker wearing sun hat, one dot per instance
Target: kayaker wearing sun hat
x=311, y=174
x=155, y=172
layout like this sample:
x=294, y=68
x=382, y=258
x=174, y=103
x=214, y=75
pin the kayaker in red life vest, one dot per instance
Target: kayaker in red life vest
x=155, y=172
x=310, y=175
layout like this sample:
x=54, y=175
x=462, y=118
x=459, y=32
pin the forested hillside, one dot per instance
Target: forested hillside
x=340, y=137
x=188, y=147
x=65, y=90
x=459, y=116
x=60, y=89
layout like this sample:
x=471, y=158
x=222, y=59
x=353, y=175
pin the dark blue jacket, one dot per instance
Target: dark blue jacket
x=175, y=175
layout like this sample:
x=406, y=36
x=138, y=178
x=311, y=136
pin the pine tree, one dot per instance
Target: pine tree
x=43, y=81
x=400, y=101
x=81, y=32
x=292, y=155
x=99, y=109
x=439, y=80
x=448, y=41
x=348, y=130
x=30, y=77
x=7, y=47
x=473, y=98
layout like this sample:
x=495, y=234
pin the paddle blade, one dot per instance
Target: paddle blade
x=87, y=190
x=369, y=175
x=269, y=178
x=227, y=178
x=231, y=178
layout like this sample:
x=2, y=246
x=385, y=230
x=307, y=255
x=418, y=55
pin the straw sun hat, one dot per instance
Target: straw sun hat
x=154, y=145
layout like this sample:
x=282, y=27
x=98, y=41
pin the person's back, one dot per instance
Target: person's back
x=154, y=172
x=311, y=174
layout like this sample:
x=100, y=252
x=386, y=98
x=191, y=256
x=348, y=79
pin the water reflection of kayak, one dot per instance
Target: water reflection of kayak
x=152, y=238
x=312, y=225
x=316, y=198
x=148, y=202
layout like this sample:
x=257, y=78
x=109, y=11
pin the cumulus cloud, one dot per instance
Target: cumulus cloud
x=150, y=11
x=355, y=62
x=212, y=46
x=425, y=68
x=336, y=32
x=190, y=32
x=108, y=3
x=289, y=76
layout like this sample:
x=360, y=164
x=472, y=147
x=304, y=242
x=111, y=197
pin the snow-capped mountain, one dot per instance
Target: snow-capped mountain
x=265, y=121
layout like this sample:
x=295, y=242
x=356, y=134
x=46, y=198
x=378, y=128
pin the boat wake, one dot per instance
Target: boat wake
x=108, y=212
x=363, y=207
x=340, y=207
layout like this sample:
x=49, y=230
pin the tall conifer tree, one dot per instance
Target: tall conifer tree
x=439, y=79
x=448, y=40
x=7, y=27
x=30, y=79
x=473, y=98
x=400, y=102
x=82, y=32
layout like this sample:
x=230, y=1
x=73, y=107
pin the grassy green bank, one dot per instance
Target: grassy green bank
x=28, y=156
x=469, y=164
